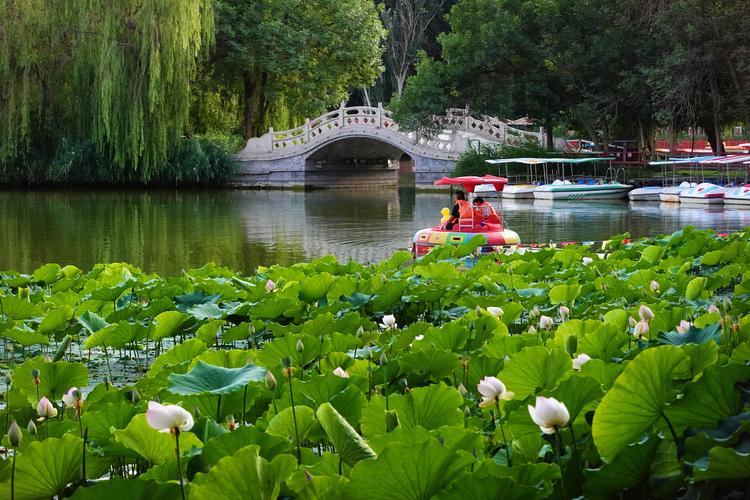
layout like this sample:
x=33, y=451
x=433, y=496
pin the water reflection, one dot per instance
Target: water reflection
x=167, y=231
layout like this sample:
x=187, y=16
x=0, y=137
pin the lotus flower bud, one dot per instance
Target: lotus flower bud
x=133, y=396
x=549, y=414
x=31, y=428
x=418, y=338
x=712, y=309
x=14, y=434
x=654, y=286
x=270, y=286
x=534, y=312
x=478, y=310
x=645, y=313
x=340, y=372
x=532, y=330
x=360, y=330
x=684, y=326
x=45, y=409
x=641, y=329
x=587, y=261
x=35, y=376
x=467, y=411
x=270, y=381
x=231, y=423
x=465, y=360
x=383, y=359
x=308, y=477
x=391, y=420
x=545, y=322
x=73, y=398
x=462, y=390
x=632, y=321
x=495, y=311
x=580, y=360
x=564, y=312
x=300, y=346
x=727, y=303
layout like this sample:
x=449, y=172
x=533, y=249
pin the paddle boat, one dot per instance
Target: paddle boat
x=671, y=194
x=646, y=193
x=739, y=195
x=482, y=222
x=704, y=193
x=566, y=190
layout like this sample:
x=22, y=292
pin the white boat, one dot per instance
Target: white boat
x=565, y=190
x=672, y=194
x=739, y=195
x=704, y=193
x=487, y=191
x=647, y=193
x=519, y=191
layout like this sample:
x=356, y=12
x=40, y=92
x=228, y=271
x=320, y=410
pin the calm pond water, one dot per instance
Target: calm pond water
x=167, y=231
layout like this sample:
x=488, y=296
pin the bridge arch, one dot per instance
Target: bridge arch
x=326, y=149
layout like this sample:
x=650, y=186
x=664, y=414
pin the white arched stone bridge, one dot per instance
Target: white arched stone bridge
x=362, y=145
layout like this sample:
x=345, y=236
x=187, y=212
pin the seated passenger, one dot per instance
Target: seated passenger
x=484, y=213
x=461, y=213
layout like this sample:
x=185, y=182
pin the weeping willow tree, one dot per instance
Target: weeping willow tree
x=115, y=72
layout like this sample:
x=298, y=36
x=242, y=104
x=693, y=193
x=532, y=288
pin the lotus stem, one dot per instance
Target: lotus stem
x=244, y=405
x=218, y=408
x=385, y=386
x=556, y=451
x=294, y=416
x=106, y=357
x=84, y=436
x=13, y=476
x=674, y=435
x=502, y=432
x=179, y=465
x=575, y=446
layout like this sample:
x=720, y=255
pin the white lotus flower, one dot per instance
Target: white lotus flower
x=389, y=322
x=419, y=337
x=654, y=285
x=492, y=389
x=713, y=309
x=587, y=260
x=564, y=312
x=549, y=414
x=270, y=286
x=684, y=326
x=495, y=311
x=645, y=313
x=168, y=418
x=580, y=360
x=340, y=372
x=73, y=398
x=641, y=329
x=545, y=322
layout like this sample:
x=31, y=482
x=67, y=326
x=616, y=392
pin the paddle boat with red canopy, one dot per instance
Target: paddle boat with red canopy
x=475, y=222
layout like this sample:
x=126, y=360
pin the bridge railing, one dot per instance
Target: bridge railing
x=457, y=128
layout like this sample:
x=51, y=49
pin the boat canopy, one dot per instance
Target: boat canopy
x=469, y=182
x=677, y=161
x=539, y=161
x=727, y=160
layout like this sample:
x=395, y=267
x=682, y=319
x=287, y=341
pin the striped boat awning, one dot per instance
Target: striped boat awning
x=727, y=160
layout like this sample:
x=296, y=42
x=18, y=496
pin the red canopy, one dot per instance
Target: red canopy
x=469, y=182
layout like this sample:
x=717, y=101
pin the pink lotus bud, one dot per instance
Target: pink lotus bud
x=270, y=286
x=684, y=326
x=545, y=322
x=45, y=409
x=645, y=313
x=340, y=372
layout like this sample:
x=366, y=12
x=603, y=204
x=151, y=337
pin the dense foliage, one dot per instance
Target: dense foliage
x=609, y=69
x=473, y=161
x=330, y=380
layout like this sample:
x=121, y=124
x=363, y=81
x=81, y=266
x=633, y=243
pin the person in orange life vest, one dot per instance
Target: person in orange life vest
x=484, y=212
x=461, y=210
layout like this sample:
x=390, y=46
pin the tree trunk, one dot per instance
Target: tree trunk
x=718, y=145
x=401, y=81
x=549, y=139
x=254, y=104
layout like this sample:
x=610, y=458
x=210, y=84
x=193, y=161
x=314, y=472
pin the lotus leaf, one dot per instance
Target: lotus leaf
x=205, y=379
x=244, y=475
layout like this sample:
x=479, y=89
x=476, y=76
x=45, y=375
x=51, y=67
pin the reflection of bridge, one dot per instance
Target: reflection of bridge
x=362, y=145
